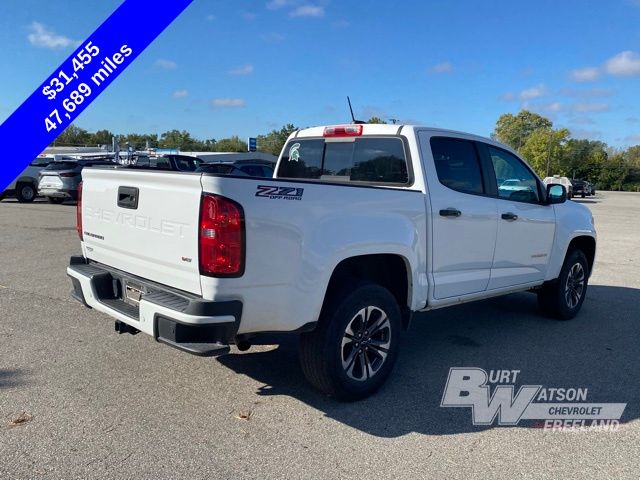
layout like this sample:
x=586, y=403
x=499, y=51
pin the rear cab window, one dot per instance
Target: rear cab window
x=370, y=160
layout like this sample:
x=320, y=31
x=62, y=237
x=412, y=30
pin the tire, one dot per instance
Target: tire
x=56, y=200
x=563, y=298
x=328, y=355
x=583, y=195
x=25, y=192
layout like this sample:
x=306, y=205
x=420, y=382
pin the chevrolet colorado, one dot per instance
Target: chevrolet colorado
x=360, y=227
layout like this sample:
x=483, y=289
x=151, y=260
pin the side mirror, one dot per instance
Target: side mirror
x=556, y=193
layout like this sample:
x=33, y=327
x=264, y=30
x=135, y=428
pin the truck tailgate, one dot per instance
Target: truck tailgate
x=144, y=223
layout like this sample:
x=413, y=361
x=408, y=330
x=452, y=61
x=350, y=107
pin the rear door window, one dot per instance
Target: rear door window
x=457, y=164
x=365, y=159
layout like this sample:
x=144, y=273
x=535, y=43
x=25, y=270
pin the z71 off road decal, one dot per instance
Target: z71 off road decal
x=275, y=192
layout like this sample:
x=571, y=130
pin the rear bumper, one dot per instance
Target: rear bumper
x=59, y=193
x=179, y=319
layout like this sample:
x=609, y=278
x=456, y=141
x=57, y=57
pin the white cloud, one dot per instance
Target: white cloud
x=342, y=23
x=272, y=37
x=585, y=107
x=242, y=70
x=307, y=11
x=444, y=67
x=553, y=107
x=570, y=108
x=582, y=121
x=180, y=93
x=624, y=64
x=39, y=36
x=276, y=4
x=633, y=138
x=587, y=74
x=580, y=133
x=533, y=92
x=166, y=64
x=228, y=103
x=508, y=97
x=588, y=93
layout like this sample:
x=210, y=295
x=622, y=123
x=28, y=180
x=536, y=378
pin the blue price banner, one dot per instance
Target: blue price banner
x=79, y=80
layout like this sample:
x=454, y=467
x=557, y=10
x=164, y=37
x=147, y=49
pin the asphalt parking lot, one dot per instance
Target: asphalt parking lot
x=97, y=404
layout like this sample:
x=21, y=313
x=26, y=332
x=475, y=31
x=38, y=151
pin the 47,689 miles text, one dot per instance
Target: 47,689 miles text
x=58, y=83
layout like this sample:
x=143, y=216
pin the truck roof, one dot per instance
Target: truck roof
x=386, y=129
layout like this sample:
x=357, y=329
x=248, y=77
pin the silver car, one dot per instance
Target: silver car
x=59, y=180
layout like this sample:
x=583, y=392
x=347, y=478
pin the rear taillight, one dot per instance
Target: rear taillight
x=79, y=212
x=343, y=131
x=221, y=237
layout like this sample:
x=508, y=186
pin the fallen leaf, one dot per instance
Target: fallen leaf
x=21, y=419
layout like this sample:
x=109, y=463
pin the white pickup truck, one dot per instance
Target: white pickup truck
x=361, y=226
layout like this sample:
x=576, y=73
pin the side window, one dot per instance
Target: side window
x=515, y=180
x=161, y=163
x=457, y=164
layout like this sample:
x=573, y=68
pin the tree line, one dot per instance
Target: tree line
x=549, y=150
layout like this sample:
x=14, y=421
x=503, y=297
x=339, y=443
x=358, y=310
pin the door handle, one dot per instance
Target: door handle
x=509, y=216
x=450, y=212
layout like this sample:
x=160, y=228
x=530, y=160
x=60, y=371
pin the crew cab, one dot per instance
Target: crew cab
x=360, y=227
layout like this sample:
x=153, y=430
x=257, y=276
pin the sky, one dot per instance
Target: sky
x=246, y=67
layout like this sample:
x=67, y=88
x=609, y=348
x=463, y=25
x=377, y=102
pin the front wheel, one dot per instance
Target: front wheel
x=563, y=298
x=353, y=349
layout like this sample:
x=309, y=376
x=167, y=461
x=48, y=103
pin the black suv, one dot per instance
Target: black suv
x=240, y=168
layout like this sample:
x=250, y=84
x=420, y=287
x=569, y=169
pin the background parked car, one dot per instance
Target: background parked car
x=59, y=180
x=25, y=187
x=562, y=181
x=580, y=187
x=240, y=168
x=182, y=163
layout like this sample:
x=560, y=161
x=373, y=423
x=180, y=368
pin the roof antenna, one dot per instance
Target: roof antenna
x=353, y=119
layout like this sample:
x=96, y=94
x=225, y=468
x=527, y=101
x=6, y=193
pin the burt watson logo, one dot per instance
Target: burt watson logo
x=559, y=408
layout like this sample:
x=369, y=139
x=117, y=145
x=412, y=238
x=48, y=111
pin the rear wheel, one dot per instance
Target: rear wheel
x=563, y=298
x=55, y=200
x=25, y=192
x=353, y=349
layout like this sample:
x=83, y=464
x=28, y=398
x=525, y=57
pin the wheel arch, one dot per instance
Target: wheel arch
x=390, y=270
x=587, y=244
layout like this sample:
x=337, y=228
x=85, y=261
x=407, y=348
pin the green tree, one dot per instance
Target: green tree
x=584, y=158
x=514, y=130
x=376, y=120
x=544, y=150
x=73, y=136
x=231, y=144
x=613, y=173
x=139, y=140
x=181, y=140
x=273, y=141
x=102, y=137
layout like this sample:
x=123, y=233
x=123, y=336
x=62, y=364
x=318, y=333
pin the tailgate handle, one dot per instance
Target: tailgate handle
x=128, y=197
